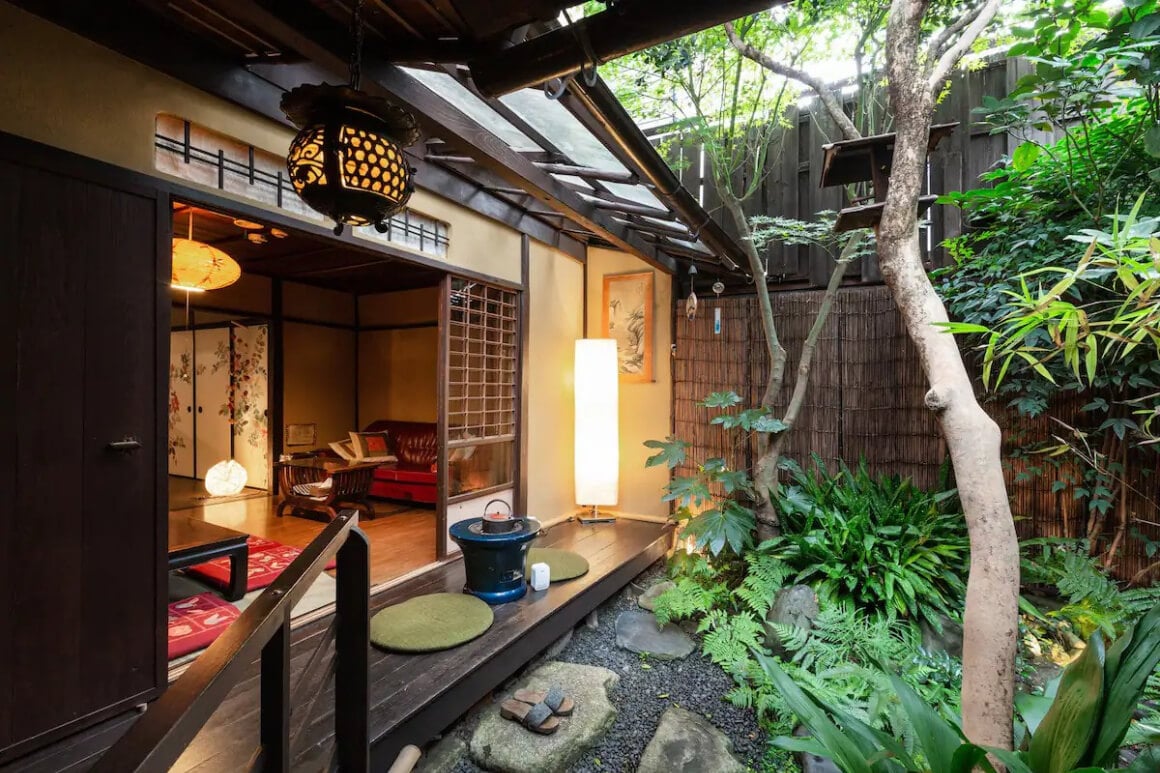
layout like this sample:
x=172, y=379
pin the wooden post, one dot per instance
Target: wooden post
x=352, y=656
x=275, y=695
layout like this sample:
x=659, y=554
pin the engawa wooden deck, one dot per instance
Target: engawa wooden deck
x=413, y=697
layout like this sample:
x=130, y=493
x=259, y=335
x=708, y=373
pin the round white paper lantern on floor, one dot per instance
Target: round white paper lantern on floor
x=225, y=479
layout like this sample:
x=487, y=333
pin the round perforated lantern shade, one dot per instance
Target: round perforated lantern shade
x=361, y=179
x=225, y=479
x=198, y=267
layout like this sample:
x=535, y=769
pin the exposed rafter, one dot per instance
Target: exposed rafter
x=599, y=110
x=322, y=45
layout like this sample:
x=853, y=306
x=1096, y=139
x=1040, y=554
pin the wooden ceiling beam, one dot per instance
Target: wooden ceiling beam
x=633, y=25
x=436, y=116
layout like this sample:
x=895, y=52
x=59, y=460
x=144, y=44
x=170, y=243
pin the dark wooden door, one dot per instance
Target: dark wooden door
x=81, y=551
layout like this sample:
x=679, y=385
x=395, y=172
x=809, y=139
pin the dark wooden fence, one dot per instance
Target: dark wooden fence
x=791, y=184
x=866, y=402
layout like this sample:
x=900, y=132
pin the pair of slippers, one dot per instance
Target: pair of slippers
x=537, y=710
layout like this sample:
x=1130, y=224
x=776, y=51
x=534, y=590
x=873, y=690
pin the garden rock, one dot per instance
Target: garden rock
x=812, y=763
x=949, y=641
x=796, y=605
x=639, y=632
x=687, y=743
x=443, y=757
x=648, y=599
x=501, y=745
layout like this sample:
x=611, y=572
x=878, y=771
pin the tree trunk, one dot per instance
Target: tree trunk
x=765, y=469
x=990, y=630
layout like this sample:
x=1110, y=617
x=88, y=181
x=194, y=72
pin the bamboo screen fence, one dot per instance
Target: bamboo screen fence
x=865, y=401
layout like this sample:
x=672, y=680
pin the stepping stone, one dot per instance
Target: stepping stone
x=648, y=599
x=687, y=743
x=443, y=757
x=639, y=632
x=504, y=746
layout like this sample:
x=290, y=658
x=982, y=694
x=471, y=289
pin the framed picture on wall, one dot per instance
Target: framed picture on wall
x=301, y=434
x=627, y=316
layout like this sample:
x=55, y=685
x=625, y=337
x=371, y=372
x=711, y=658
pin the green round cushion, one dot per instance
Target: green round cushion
x=437, y=621
x=564, y=564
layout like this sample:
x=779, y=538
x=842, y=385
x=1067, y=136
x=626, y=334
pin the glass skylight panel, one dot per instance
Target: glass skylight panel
x=553, y=120
x=574, y=180
x=637, y=193
x=475, y=108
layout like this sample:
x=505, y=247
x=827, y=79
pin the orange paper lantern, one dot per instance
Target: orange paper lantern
x=198, y=267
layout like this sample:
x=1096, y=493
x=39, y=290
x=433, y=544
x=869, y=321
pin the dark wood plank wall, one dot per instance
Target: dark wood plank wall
x=791, y=185
x=80, y=558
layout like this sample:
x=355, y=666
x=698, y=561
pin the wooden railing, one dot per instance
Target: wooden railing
x=157, y=739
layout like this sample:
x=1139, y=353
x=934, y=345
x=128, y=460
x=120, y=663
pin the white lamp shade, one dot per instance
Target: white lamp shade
x=597, y=422
x=225, y=479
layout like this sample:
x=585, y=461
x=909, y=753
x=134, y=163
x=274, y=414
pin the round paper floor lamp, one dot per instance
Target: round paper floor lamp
x=225, y=479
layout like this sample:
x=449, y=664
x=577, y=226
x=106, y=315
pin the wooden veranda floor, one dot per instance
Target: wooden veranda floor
x=413, y=697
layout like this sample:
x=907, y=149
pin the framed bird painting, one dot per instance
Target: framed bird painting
x=627, y=316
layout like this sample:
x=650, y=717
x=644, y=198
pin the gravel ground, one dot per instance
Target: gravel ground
x=694, y=684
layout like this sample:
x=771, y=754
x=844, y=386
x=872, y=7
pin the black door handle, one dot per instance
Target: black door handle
x=189, y=409
x=199, y=409
x=126, y=446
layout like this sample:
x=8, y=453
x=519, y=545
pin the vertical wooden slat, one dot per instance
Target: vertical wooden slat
x=274, y=724
x=352, y=643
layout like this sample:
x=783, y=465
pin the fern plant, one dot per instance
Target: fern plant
x=1093, y=600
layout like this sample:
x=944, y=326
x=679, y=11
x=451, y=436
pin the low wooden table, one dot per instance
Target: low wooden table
x=350, y=486
x=193, y=541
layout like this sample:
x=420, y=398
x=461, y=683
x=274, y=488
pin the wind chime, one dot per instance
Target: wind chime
x=347, y=160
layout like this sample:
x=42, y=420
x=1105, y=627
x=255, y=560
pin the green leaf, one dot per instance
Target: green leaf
x=839, y=747
x=1152, y=142
x=1071, y=722
x=1136, y=662
x=933, y=733
x=1025, y=155
x=721, y=400
x=670, y=452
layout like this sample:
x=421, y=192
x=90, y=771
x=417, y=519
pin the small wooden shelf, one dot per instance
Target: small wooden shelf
x=869, y=215
x=868, y=158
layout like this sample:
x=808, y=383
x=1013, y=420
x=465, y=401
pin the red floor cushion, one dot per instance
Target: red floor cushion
x=267, y=560
x=195, y=622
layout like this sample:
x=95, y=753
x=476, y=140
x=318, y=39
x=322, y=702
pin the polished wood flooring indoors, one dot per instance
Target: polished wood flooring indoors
x=413, y=697
x=402, y=536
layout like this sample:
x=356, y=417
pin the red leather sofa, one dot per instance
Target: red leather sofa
x=412, y=478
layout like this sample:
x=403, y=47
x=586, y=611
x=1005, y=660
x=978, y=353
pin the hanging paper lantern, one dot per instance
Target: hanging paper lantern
x=198, y=267
x=347, y=160
x=225, y=479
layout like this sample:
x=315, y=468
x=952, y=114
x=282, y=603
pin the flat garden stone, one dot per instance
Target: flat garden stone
x=648, y=599
x=444, y=756
x=639, y=632
x=688, y=743
x=505, y=746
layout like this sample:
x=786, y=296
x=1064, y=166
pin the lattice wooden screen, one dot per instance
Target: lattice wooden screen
x=483, y=342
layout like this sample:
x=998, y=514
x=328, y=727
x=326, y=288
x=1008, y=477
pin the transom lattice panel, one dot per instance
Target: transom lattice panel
x=483, y=343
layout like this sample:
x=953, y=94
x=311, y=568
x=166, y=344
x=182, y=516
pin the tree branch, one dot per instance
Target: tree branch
x=971, y=32
x=945, y=36
x=805, y=360
x=829, y=101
